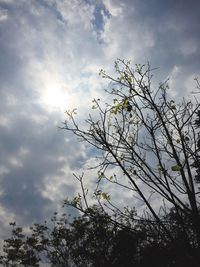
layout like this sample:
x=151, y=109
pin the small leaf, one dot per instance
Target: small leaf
x=101, y=175
x=176, y=168
x=173, y=107
x=168, y=141
x=129, y=108
x=187, y=138
x=105, y=196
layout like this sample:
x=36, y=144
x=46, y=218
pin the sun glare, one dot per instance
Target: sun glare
x=55, y=98
x=54, y=94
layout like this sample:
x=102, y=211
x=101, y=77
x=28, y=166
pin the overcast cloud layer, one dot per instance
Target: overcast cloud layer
x=51, y=52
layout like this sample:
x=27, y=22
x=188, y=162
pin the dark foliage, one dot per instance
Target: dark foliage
x=96, y=240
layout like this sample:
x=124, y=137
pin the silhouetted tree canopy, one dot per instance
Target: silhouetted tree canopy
x=95, y=240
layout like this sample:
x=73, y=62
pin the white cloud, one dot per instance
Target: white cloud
x=3, y=14
x=54, y=64
x=6, y=1
x=115, y=8
x=124, y=36
x=76, y=13
x=188, y=47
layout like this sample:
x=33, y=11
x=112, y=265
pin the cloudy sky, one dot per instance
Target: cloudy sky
x=50, y=55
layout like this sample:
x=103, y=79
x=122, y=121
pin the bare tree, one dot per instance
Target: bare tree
x=155, y=143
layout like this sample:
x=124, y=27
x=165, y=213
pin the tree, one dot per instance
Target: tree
x=17, y=251
x=154, y=141
x=86, y=241
x=93, y=240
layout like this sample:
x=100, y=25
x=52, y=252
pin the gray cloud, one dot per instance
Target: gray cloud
x=31, y=152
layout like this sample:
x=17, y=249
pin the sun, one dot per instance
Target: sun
x=53, y=94
x=54, y=97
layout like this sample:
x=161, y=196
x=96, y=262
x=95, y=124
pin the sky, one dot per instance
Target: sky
x=50, y=55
